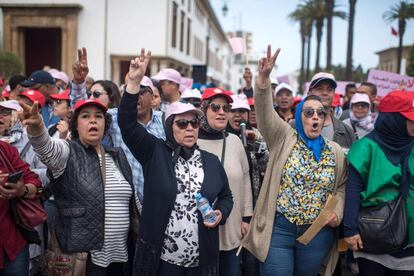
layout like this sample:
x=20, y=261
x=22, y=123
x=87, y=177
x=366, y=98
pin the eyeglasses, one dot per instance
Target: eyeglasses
x=360, y=105
x=216, y=107
x=5, y=112
x=183, y=123
x=196, y=103
x=97, y=94
x=308, y=112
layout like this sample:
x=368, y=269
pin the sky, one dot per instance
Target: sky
x=268, y=21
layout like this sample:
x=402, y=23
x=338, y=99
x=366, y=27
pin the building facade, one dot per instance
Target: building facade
x=181, y=34
x=388, y=60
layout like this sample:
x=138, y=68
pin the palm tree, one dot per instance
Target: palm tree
x=299, y=15
x=351, y=16
x=316, y=9
x=402, y=12
x=330, y=12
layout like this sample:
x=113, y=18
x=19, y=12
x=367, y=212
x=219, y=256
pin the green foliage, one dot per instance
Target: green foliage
x=410, y=63
x=10, y=65
x=358, y=75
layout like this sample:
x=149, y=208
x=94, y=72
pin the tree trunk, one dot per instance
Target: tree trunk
x=308, y=55
x=348, y=73
x=302, y=61
x=319, y=26
x=401, y=31
x=329, y=4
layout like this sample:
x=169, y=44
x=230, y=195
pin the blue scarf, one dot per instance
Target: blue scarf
x=315, y=145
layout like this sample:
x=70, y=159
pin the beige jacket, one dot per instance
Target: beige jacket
x=280, y=138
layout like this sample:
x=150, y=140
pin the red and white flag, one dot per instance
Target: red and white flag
x=237, y=44
x=394, y=31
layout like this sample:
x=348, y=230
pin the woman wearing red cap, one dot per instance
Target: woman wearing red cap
x=381, y=166
x=229, y=149
x=174, y=240
x=92, y=186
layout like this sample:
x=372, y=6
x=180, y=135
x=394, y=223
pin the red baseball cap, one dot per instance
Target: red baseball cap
x=399, y=101
x=5, y=94
x=33, y=96
x=83, y=103
x=215, y=91
x=62, y=96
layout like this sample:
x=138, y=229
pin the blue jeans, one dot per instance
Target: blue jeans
x=289, y=257
x=18, y=267
x=229, y=263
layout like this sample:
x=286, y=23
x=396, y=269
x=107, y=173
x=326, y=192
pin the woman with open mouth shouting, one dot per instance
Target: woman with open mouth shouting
x=92, y=185
x=303, y=188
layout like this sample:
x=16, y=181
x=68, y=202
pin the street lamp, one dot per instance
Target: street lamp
x=225, y=9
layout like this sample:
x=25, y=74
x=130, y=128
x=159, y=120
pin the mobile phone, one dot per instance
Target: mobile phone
x=14, y=177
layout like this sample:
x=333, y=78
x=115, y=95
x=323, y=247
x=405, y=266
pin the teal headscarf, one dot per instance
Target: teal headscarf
x=315, y=145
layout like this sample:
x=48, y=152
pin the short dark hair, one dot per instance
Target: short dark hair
x=113, y=92
x=74, y=123
x=349, y=86
x=313, y=97
x=372, y=86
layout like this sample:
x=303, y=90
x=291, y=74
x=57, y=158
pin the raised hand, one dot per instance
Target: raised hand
x=267, y=63
x=138, y=66
x=80, y=67
x=31, y=118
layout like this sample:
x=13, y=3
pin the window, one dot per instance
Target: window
x=199, y=12
x=198, y=47
x=189, y=5
x=188, y=35
x=174, y=25
x=182, y=31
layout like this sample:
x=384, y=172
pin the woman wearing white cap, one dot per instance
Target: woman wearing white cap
x=360, y=117
x=173, y=238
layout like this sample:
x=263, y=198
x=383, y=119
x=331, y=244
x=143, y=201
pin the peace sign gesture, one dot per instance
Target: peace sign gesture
x=31, y=118
x=80, y=67
x=137, y=69
x=267, y=63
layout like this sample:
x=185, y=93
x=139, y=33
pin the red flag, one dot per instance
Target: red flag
x=394, y=31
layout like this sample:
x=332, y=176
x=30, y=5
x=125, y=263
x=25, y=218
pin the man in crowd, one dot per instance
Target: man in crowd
x=44, y=82
x=350, y=90
x=15, y=87
x=169, y=81
x=247, y=89
x=323, y=85
x=371, y=90
x=284, y=102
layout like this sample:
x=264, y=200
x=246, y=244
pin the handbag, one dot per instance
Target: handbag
x=57, y=262
x=27, y=213
x=384, y=229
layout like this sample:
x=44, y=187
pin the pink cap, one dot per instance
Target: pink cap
x=360, y=98
x=191, y=93
x=147, y=82
x=168, y=74
x=11, y=104
x=59, y=75
x=180, y=108
x=240, y=102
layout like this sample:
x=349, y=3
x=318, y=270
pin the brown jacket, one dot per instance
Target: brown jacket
x=280, y=138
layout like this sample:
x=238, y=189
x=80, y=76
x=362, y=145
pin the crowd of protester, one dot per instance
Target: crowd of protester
x=118, y=168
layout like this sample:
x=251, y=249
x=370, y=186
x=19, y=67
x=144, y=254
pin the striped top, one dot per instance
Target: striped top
x=117, y=195
x=54, y=153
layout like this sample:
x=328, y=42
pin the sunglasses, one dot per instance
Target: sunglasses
x=360, y=105
x=308, y=112
x=196, y=103
x=183, y=123
x=5, y=112
x=97, y=94
x=216, y=107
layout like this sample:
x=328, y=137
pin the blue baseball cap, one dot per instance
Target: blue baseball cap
x=38, y=77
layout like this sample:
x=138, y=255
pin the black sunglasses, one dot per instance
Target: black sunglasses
x=196, y=103
x=97, y=94
x=183, y=123
x=5, y=111
x=216, y=107
x=308, y=112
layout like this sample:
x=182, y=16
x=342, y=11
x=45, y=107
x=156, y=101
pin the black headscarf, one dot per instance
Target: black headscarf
x=206, y=131
x=177, y=149
x=390, y=133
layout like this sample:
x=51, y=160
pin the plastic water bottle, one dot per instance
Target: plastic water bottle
x=204, y=207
